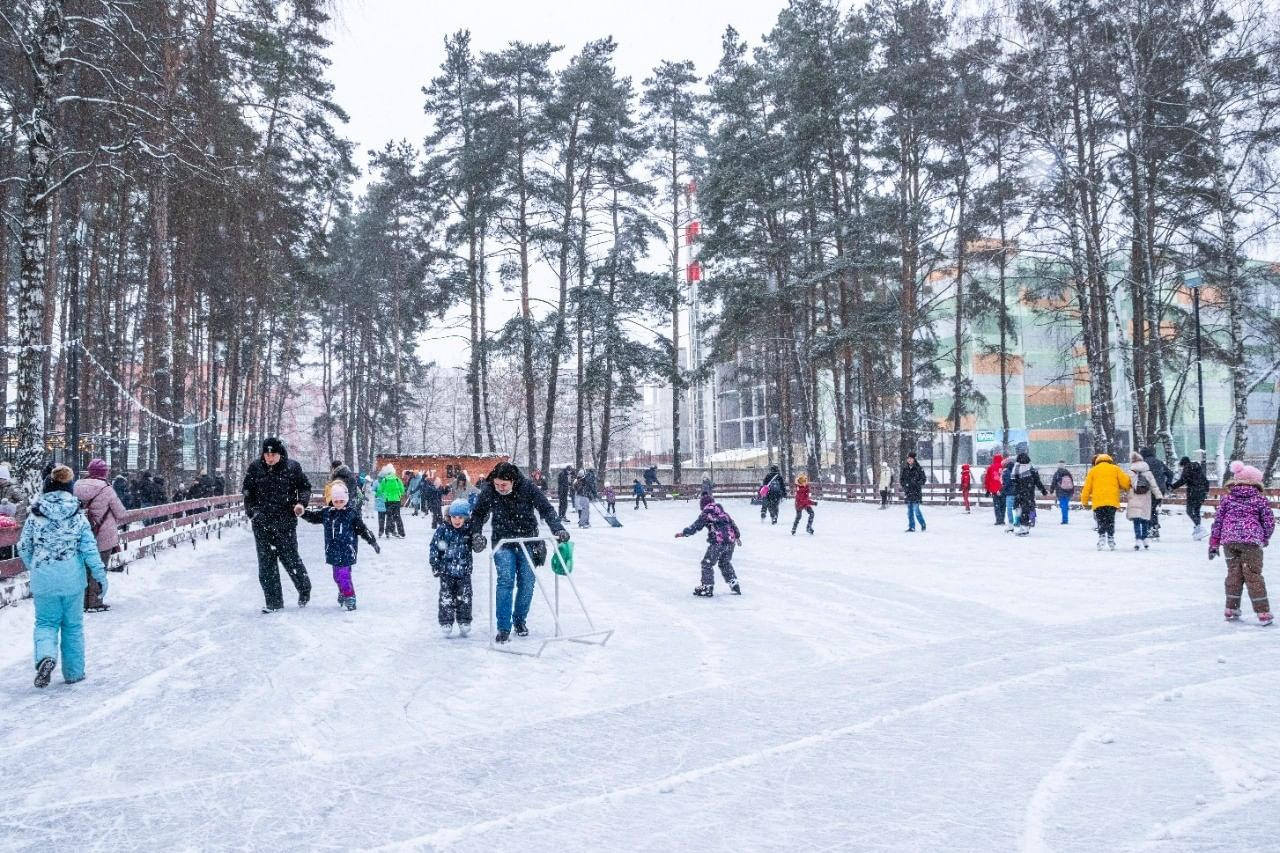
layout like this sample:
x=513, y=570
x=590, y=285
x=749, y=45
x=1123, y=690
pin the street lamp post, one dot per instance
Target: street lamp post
x=1192, y=279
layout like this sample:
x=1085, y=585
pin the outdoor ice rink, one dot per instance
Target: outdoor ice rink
x=958, y=690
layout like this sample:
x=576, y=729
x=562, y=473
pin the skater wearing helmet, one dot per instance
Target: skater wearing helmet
x=342, y=524
x=722, y=537
x=1102, y=487
x=451, y=548
x=1242, y=527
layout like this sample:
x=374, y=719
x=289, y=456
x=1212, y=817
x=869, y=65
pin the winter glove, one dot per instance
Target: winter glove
x=435, y=573
x=1213, y=553
x=377, y=549
x=562, y=536
x=679, y=535
x=478, y=542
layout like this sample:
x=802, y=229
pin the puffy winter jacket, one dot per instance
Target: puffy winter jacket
x=1140, y=506
x=271, y=492
x=966, y=478
x=1026, y=480
x=1059, y=487
x=1194, y=479
x=390, y=488
x=719, y=526
x=1243, y=517
x=103, y=509
x=803, y=501
x=515, y=516
x=912, y=481
x=341, y=527
x=57, y=546
x=1104, y=483
x=1159, y=470
x=992, y=481
x=450, y=552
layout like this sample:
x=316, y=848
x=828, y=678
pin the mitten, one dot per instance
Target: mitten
x=377, y=549
x=562, y=536
x=1213, y=553
x=478, y=542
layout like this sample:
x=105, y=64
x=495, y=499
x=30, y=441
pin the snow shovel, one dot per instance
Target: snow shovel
x=612, y=519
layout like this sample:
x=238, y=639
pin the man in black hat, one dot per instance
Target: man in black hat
x=274, y=486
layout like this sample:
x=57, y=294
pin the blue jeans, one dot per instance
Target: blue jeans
x=914, y=515
x=1011, y=510
x=1064, y=504
x=513, y=571
x=60, y=622
x=1140, y=528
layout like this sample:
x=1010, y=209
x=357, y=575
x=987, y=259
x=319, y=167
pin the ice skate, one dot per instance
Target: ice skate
x=1136, y=546
x=303, y=598
x=1022, y=531
x=733, y=586
x=1231, y=614
x=1102, y=542
x=350, y=603
x=522, y=630
x=447, y=630
x=44, y=670
x=1197, y=532
x=1264, y=619
x=464, y=628
x=703, y=591
x=1144, y=545
x=272, y=609
x=1111, y=542
x=101, y=608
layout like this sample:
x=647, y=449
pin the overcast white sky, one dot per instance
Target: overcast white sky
x=385, y=51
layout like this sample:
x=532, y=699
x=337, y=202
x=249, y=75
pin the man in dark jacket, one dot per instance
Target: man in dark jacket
x=564, y=484
x=775, y=490
x=912, y=480
x=514, y=503
x=273, y=485
x=1193, y=477
x=1160, y=472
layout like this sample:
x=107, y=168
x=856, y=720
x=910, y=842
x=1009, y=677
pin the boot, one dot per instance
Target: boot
x=1102, y=542
x=44, y=670
x=350, y=603
x=464, y=628
x=733, y=586
x=1231, y=614
x=1111, y=542
x=704, y=591
x=1264, y=619
x=447, y=630
x=522, y=630
x=503, y=637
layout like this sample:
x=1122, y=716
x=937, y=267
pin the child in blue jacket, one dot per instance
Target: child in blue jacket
x=342, y=524
x=57, y=545
x=451, y=562
x=722, y=537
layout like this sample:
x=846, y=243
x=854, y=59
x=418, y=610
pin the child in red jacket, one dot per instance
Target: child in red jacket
x=804, y=503
x=966, y=483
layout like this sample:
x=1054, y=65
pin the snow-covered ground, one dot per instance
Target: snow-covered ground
x=956, y=690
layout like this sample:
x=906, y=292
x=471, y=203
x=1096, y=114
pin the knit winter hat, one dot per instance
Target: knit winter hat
x=1135, y=456
x=705, y=500
x=1245, y=474
x=460, y=508
x=388, y=470
x=273, y=445
x=98, y=469
x=338, y=491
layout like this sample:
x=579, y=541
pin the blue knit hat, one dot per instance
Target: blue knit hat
x=461, y=508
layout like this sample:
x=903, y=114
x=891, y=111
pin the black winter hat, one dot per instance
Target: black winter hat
x=273, y=445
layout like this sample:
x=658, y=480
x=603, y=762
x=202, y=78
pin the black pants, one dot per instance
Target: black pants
x=796, y=523
x=1193, y=509
x=564, y=502
x=721, y=554
x=1106, y=518
x=641, y=498
x=455, y=599
x=382, y=523
x=770, y=505
x=1155, y=516
x=278, y=541
x=997, y=506
x=436, y=519
x=395, y=524
x=884, y=498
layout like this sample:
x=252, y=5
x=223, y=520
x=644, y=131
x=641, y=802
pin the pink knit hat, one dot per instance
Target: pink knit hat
x=98, y=469
x=338, y=491
x=1246, y=474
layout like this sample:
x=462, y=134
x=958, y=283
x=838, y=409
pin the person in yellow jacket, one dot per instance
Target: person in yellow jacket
x=391, y=490
x=1102, y=488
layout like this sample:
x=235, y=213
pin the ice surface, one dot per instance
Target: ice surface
x=959, y=689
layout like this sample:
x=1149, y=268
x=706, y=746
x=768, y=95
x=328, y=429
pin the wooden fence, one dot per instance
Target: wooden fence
x=144, y=531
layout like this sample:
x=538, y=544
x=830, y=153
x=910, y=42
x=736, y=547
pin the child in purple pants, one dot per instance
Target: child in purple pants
x=342, y=524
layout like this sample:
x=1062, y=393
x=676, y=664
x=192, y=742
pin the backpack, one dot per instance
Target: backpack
x=775, y=486
x=1141, y=487
x=1066, y=483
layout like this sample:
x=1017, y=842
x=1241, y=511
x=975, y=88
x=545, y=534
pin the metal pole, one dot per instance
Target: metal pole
x=1195, y=299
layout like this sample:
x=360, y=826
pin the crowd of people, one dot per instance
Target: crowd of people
x=70, y=529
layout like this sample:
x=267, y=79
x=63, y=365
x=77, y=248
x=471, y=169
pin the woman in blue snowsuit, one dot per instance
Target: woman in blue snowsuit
x=57, y=545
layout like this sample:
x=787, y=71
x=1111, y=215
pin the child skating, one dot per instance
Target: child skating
x=610, y=500
x=1241, y=528
x=804, y=503
x=637, y=491
x=722, y=537
x=57, y=546
x=450, y=557
x=342, y=524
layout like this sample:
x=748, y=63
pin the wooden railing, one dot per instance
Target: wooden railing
x=147, y=530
